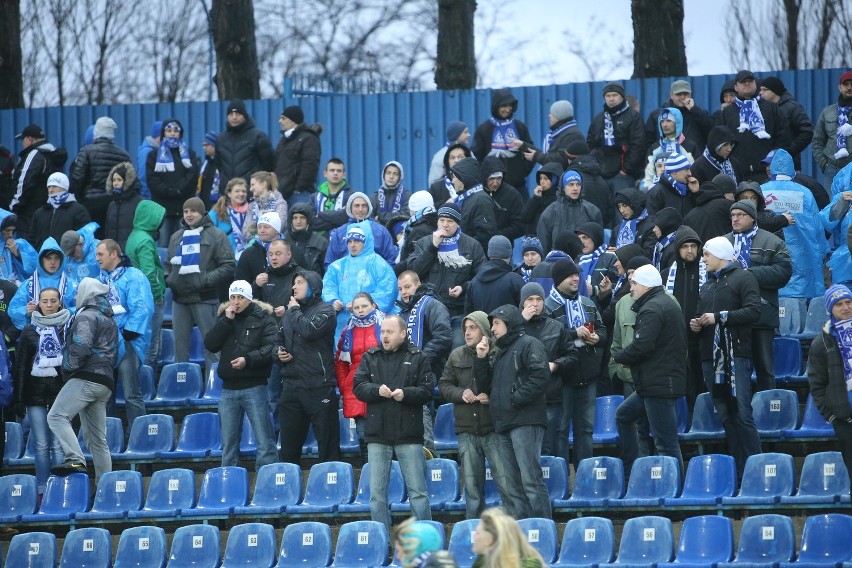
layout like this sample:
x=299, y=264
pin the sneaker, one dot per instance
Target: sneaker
x=68, y=468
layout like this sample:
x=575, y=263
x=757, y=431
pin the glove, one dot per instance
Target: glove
x=845, y=130
x=129, y=335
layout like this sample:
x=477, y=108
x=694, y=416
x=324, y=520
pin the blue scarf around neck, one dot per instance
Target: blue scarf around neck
x=723, y=167
x=609, y=129
x=660, y=246
x=461, y=197
x=448, y=251
x=502, y=135
x=56, y=200
x=416, y=322
x=751, y=119
x=552, y=134
x=165, y=162
x=188, y=254
x=575, y=314
x=110, y=278
x=384, y=207
x=681, y=188
x=373, y=319
x=841, y=139
x=742, y=247
x=627, y=231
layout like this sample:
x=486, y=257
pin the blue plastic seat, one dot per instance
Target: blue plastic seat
x=587, y=541
x=787, y=358
x=167, y=348
x=361, y=504
x=446, y=439
x=196, y=347
x=442, y=485
x=329, y=484
x=775, y=410
x=813, y=424
x=824, y=542
x=194, y=546
x=461, y=542
x=150, y=435
x=824, y=480
x=541, y=535
x=169, y=493
x=168, y=305
x=222, y=489
x=791, y=315
x=704, y=541
x=361, y=544
x=63, y=498
x=200, y=434
x=598, y=481
x=652, y=479
x=305, y=544
x=212, y=388
x=18, y=494
x=179, y=383
x=555, y=473
x=33, y=550
x=605, y=431
x=682, y=413
x=114, y=435
x=706, y=424
x=146, y=385
x=141, y=547
x=277, y=485
x=28, y=459
x=766, y=478
x=118, y=493
x=708, y=478
x=89, y=547
x=492, y=495
x=814, y=320
x=349, y=440
x=251, y=544
x=14, y=442
x=645, y=541
x=765, y=540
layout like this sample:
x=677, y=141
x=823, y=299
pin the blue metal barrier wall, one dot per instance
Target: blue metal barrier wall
x=367, y=131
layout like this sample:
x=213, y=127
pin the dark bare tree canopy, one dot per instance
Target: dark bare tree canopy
x=455, y=67
x=12, y=93
x=237, y=74
x=658, y=46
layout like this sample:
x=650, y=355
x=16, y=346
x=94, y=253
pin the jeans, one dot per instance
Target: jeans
x=413, y=466
x=827, y=181
x=521, y=450
x=273, y=392
x=763, y=357
x=128, y=374
x=661, y=416
x=578, y=408
x=89, y=400
x=428, y=428
x=48, y=452
x=555, y=441
x=167, y=229
x=473, y=451
x=252, y=401
x=184, y=317
x=156, y=327
x=740, y=429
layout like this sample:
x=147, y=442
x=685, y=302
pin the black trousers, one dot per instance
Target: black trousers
x=300, y=408
x=843, y=430
x=763, y=358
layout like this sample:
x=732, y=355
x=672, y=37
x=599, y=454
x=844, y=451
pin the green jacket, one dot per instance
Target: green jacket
x=528, y=562
x=142, y=248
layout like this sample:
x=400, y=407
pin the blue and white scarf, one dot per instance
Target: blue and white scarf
x=56, y=200
x=575, y=314
x=724, y=367
x=451, y=189
x=165, y=162
x=557, y=254
x=525, y=272
x=621, y=280
x=627, y=231
x=373, y=319
x=34, y=287
x=842, y=119
x=660, y=245
x=49, y=353
x=397, y=200
x=501, y=137
x=609, y=129
x=724, y=167
x=188, y=254
x=448, y=252
x=214, y=188
x=588, y=262
x=681, y=188
x=406, y=228
x=415, y=321
x=323, y=202
x=742, y=247
x=751, y=118
x=702, y=276
x=237, y=221
x=551, y=134
x=842, y=332
x=110, y=278
x=460, y=197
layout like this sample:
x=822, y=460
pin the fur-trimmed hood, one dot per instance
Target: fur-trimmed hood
x=262, y=305
x=131, y=181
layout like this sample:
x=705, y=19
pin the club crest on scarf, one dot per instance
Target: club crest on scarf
x=751, y=119
x=502, y=136
x=415, y=324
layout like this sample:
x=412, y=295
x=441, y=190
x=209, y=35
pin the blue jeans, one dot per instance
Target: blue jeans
x=48, y=451
x=473, y=451
x=521, y=450
x=555, y=437
x=740, y=429
x=273, y=392
x=167, y=229
x=252, y=401
x=578, y=408
x=661, y=416
x=413, y=466
x=156, y=327
x=828, y=178
x=128, y=374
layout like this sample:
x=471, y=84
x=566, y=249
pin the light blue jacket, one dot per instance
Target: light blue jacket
x=87, y=267
x=17, y=269
x=24, y=295
x=137, y=305
x=835, y=218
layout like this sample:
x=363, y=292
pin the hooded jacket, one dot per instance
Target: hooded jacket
x=517, y=167
x=634, y=199
x=505, y=199
x=668, y=220
x=121, y=212
x=29, y=180
x=91, y=342
x=363, y=339
x=686, y=284
x=308, y=247
x=801, y=127
x=827, y=376
x=696, y=124
x=172, y=188
x=307, y=332
x=217, y=265
x=478, y=215
x=16, y=268
x=148, y=145
x=711, y=216
x=687, y=146
x=702, y=169
x=750, y=150
x=384, y=245
x=48, y=221
x=88, y=265
x=27, y=292
x=390, y=196
x=132, y=305
x=735, y=291
x=565, y=214
x=252, y=334
x=142, y=248
x=424, y=261
x=536, y=204
x=297, y=160
x=516, y=378
x=628, y=153
x=438, y=188
x=241, y=151
x=279, y=288
x=91, y=167
x=493, y=286
x=595, y=190
x=805, y=239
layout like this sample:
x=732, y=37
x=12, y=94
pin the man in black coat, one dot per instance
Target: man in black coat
x=297, y=157
x=711, y=216
x=801, y=126
x=253, y=262
x=242, y=148
x=562, y=132
x=677, y=187
x=617, y=139
x=478, y=218
x=696, y=121
x=308, y=247
x=717, y=158
x=505, y=199
x=515, y=380
x=495, y=284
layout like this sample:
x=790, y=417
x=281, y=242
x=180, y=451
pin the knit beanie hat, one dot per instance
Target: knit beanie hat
x=240, y=288
x=577, y=148
x=614, y=87
x=211, y=137
x=454, y=130
x=499, y=247
x=294, y=113
x=239, y=106
x=569, y=176
x=676, y=162
x=272, y=219
x=647, y=275
x=833, y=295
x=562, y=110
x=195, y=204
x=531, y=289
x=562, y=269
x=774, y=84
x=451, y=211
x=105, y=128
x=467, y=170
x=725, y=183
x=58, y=179
x=720, y=247
x=531, y=243
x=747, y=207
x=626, y=253
x=420, y=200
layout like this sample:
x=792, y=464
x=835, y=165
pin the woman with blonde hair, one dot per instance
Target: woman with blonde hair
x=267, y=198
x=500, y=543
x=233, y=215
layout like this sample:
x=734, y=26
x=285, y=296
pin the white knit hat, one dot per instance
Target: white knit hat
x=720, y=247
x=272, y=219
x=420, y=200
x=647, y=276
x=240, y=288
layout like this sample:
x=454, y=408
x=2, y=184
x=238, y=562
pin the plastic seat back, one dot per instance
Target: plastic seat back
x=442, y=481
x=14, y=441
x=815, y=318
x=212, y=386
x=541, y=534
x=167, y=348
x=33, y=550
x=775, y=410
x=196, y=347
x=118, y=491
x=445, y=428
x=361, y=543
x=223, y=487
x=89, y=547
x=768, y=475
x=141, y=547
x=195, y=545
x=171, y=490
x=787, y=357
x=791, y=314
x=278, y=485
x=305, y=544
x=555, y=473
x=824, y=474
x=706, y=539
x=813, y=421
x=199, y=432
x=605, y=430
x=587, y=541
x=151, y=434
x=65, y=495
x=705, y=419
x=646, y=540
x=18, y=494
x=329, y=483
x=766, y=539
x=599, y=478
x=251, y=544
x=824, y=539
x=710, y=475
x=179, y=382
x=654, y=477
x=461, y=542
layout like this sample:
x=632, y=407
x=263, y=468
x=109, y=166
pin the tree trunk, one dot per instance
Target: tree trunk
x=455, y=67
x=11, y=69
x=792, y=9
x=237, y=75
x=658, y=47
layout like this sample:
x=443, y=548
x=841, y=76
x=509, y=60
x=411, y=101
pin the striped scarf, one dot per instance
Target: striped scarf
x=34, y=287
x=188, y=255
x=448, y=252
x=751, y=119
x=49, y=353
x=609, y=129
x=110, y=278
x=659, y=247
x=724, y=368
x=742, y=247
x=237, y=216
x=702, y=276
x=575, y=314
x=627, y=231
x=397, y=200
x=842, y=332
x=551, y=134
x=373, y=319
x=724, y=167
x=588, y=262
x=461, y=197
x=165, y=162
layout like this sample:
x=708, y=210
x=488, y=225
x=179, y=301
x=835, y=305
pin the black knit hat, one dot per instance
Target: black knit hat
x=636, y=262
x=614, y=87
x=239, y=106
x=562, y=269
x=294, y=113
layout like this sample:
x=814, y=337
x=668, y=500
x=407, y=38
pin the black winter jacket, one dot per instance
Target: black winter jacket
x=657, y=354
x=307, y=246
x=589, y=357
x=629, y=151
x=30, y=390
x=556, y=152
x=437, y=335
x=251, y=334
x=172, y=189
x=801, y=127
x=535, y=205
x=297, y=161
x=664, y=195
x=827, y=377
x=217, y=265
x=565, y=214
x=750, y=150
x=92, y=166
x=50, y=222
x=479, y=219
x=517, y=167
x=252, y=262
x=703, y=170
x=424, y=261
x=120, y=214
x=711, y=216
x=686, y=287
x=29, y=180
x=279, y=288
x=243, y=150
x=423, y=227
x=735, y=291
x=560, y=350
x=389, y=421
x=493, y=286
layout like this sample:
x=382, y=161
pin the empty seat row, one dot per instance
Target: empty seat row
x=800, y=318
